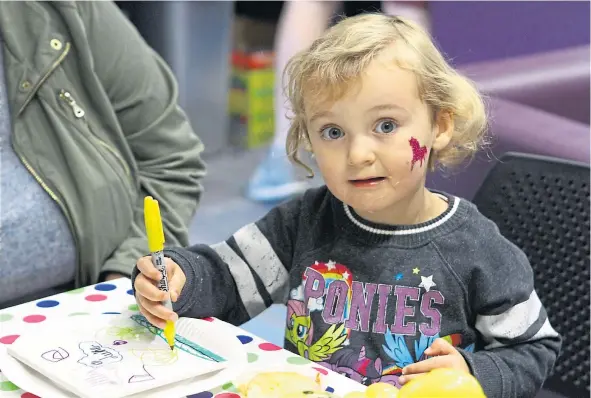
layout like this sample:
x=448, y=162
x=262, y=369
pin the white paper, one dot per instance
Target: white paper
x=114, y=356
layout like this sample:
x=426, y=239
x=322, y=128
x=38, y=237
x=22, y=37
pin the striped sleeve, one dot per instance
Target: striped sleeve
x=520, y=344
x=237, y=279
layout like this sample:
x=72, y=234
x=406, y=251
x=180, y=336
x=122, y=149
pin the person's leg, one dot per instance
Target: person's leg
x=300, y=23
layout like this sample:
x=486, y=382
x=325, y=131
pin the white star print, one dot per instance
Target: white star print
x=331, y=265
x=427, y=282
x=315, y=262
x=346, y=275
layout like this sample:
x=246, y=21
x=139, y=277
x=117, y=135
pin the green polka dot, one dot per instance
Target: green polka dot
x=8, y=386
x=252, y=357
x=78, y=313
x=297, y=361
x=133, y=307
x=228, y=386
x=5, y=317
x=76, y=291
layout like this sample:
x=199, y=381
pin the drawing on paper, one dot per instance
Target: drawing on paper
x=157, y=356
x=59, y=354
x=124, y=333
x=143, y=377
x=95, y=355
x=119, y=356
x=180, y=342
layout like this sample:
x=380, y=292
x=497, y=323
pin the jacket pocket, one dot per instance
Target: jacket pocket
x=109, y=153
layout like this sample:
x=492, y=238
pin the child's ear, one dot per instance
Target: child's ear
x=443, y=129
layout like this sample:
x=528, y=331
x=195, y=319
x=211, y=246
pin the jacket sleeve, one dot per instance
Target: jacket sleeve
x=144, y=93
x=237, y=279
x=520, y=344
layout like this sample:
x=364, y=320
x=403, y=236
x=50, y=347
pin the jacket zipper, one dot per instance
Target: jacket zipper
x=79, y=113
x=54, y=66
x=35, y=175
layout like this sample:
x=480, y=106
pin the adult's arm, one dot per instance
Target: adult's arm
x=144, y=95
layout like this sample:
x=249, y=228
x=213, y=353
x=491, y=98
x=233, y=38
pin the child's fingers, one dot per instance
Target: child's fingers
x=440, y=347
x=176, y=282
x=405, y=379
x=159, y=323
x=145, y=287
x=145, y=266
x=157, y=309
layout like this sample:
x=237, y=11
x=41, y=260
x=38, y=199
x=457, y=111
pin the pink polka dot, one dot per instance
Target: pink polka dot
x=96, y=297
x=29, y=395
x=9, y=339
x=208, y=319
x=321, y=370
x=34, y=318
x=227, y=395
x=269, y=347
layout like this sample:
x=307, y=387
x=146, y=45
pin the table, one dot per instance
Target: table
x=116, y=296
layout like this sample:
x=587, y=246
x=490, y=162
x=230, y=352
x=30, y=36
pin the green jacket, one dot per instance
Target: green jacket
x=96, y=121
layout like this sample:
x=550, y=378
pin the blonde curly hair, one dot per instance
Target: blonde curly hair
x=336, y=60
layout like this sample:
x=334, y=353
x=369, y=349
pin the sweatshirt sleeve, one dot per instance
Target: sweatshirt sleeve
x=520, y=344
x=237, y=279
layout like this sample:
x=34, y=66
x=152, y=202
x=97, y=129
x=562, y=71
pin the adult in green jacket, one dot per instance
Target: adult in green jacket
x=89, y=126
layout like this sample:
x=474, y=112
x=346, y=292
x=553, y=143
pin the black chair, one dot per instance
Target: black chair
x=541, y=204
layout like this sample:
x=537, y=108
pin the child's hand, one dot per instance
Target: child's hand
x=149, y=297
x=443, y=355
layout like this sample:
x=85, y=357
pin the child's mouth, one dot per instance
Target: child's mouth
x=368, y=182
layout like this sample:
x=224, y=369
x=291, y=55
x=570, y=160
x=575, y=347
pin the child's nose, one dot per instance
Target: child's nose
x=361, y=151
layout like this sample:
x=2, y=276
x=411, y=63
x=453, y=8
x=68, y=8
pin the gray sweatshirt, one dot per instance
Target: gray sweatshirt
x=366, y=299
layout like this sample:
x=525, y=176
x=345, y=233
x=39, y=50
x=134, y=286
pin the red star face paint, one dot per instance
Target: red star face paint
x=418, y=152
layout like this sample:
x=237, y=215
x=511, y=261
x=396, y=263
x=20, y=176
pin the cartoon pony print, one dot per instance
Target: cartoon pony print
x=354, y=364
x=299, y=331
x=395, y=347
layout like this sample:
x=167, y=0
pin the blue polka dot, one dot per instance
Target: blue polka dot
x=329, y=389
x=48, y=303
x=244, y=339
x=111, y=313
x=204, y=394
x=105, y=287
x=130, y=292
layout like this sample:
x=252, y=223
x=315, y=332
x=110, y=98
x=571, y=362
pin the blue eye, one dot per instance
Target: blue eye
x=302, y=330
x=386, y=126
x=332, y=133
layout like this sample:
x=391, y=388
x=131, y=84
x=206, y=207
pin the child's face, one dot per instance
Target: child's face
x=373, y=145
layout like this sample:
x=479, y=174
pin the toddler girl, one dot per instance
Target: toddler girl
x=383, y=279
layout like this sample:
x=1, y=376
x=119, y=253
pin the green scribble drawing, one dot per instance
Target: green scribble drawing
x=181, y=343
x=127, y=333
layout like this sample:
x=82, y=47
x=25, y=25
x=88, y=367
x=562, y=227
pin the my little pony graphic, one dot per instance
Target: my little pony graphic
x=398, y=351
x=300, y=331
x=353, y=363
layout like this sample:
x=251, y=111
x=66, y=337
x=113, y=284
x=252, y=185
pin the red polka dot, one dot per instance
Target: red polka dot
x=321, y=370
x=29, y=395
x=96, y=297
x=9, y=339
x=269, y=347
x=227, y=395
x=208, y=319
x=34, y=318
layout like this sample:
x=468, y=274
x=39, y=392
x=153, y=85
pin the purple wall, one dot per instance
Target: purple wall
x=478, y=31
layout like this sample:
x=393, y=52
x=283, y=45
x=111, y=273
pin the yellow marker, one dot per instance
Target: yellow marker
x=155, y=234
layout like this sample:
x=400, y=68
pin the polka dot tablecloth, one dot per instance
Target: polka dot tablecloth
x=114, y=298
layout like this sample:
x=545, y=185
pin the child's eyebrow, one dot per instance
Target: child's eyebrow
x=319, y=115
x=386, y=107
x=381, y=107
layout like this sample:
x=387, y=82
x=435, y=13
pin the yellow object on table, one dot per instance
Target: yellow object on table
x=443, y=383
x=279, y=385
